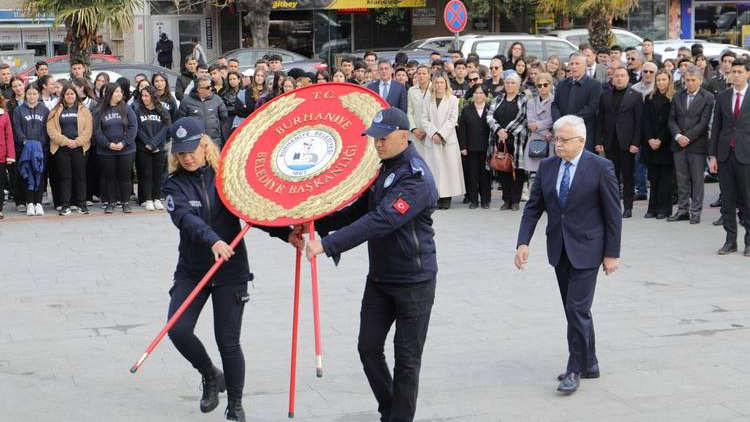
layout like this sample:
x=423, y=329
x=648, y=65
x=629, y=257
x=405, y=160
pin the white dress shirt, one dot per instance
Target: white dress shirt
x=572, y=171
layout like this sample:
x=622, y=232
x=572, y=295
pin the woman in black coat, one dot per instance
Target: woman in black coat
x=473, y=135
x=656, y=152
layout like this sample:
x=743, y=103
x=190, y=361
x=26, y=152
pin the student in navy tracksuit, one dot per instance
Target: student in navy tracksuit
x=30, y=124
x=115, y=129
x=151, y=151
x=206, y=226
x=395, y=217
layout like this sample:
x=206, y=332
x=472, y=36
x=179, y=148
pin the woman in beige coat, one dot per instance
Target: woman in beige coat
x=70, y=127
x=417, y=96
x=439, y=119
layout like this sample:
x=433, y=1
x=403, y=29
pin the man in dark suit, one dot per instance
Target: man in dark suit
x=618, y=132
x=729, y=151
x=390, y=90
x=579, y=191
x=578, y=95
x=688, y=125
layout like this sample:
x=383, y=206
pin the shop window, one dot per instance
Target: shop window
x=332, y=34
x=721, y=23
x=649, y=20
x=290, y=30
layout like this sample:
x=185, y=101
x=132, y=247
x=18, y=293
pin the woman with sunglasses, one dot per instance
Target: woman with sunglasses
x=494, y=83
x=539, y=122
x=507, y=121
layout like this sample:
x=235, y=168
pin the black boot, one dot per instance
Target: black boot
x=234, y=411
x=213, y=384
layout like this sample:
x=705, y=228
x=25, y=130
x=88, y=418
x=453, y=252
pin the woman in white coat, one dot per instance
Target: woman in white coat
x=417, y=96
x=439, y=119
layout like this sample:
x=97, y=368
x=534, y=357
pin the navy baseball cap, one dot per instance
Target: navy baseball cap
x=186, y=134
x=386, y=121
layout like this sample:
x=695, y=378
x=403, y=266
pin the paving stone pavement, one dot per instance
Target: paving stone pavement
x=83, y=296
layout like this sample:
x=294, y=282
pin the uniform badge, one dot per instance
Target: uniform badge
x=170, y=203
x=401, y=206
x=181, y=132
x=389, y=180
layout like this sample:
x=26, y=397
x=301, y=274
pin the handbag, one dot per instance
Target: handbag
x=502, y=161
x=538, y=148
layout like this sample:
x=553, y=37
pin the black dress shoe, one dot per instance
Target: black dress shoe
x=649, y=215
x=716, y=204
x=719, y=221
x=728, y=248
x=234, y=411
x=485, y=206
x=590, y=373
x=680, y=216
x=473, y=206
x=505, y=206
x=515, y=207
x=661, y=216
x=627, y=213
x=213, y=384
x=466, y=200
x=570, y=383
x=695, y=219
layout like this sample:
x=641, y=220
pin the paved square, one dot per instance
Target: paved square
x=82, y=298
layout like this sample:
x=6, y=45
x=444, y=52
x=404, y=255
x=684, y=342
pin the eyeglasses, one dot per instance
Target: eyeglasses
x=544, y=85
x=566, y=140
x=495, y=67
x=648, y=71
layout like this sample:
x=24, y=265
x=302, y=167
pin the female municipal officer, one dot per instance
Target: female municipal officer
x=206, y=226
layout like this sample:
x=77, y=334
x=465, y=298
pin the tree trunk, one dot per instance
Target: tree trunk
x=259, y=13
x=79, y=41
x=599, y=25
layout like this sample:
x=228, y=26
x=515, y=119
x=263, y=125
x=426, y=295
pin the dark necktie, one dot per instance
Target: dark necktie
x=735, y=115
x=565, y=183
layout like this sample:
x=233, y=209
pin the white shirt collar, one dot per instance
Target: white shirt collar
x=575, y=160
x=742, y=93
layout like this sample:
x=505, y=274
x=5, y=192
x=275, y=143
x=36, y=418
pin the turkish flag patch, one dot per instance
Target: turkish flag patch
x=401, y=206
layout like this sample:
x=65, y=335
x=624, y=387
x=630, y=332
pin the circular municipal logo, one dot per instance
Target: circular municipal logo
x=306, y=153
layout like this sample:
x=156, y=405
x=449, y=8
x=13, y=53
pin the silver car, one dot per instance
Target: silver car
x=541, y=46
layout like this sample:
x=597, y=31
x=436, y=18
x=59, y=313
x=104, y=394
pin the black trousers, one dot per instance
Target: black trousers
x=71, y=176
x=228, y=303
x=734, y=183
x=624, y=162
x=150, y=167
x=577, y=293
x=512, y=189
x=660, y=199
x=479, y=179
x=116, y=171
x=409, y=305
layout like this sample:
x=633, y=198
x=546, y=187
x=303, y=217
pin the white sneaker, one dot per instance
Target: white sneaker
x=30, y=210
x=158, y=205
x=149, y=206
x=39, y=210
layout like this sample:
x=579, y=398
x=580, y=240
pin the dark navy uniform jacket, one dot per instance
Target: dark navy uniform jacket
x=196, y=209
x=395, y=217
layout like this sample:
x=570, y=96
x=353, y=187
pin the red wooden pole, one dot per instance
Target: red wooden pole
x=188, y=300
x=295, y=324
x=316, y=309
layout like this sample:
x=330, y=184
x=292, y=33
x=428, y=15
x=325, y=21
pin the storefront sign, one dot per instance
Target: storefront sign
x=424, y=16
x=343, y=4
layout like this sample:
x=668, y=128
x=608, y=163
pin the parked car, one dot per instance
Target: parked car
x=439, y=44
x=541, y=46
x=128, y=70
x=422, y=56
x=289, y=59
x=578, y=36
x=61, y=64
x=712, y=51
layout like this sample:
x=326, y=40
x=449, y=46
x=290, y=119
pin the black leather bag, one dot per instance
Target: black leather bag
x=538, y=148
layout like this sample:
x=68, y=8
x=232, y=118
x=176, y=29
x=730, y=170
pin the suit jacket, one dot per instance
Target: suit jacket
x=397, y=95
x=581, y=99
x=589, y=225
x=600, y=73
x=656, y=111
x=692, y=122
x=473, y=130
x=725, y=127
x=624, y=123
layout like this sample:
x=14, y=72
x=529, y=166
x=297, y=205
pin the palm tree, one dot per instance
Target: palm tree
x=83, y=18
x=598, y=14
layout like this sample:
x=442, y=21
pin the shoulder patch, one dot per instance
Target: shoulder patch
x=170, y=203
x=389, y=180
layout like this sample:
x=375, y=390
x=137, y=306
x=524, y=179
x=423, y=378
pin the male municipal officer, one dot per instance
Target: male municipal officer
x=580, y=193
x=394, y=217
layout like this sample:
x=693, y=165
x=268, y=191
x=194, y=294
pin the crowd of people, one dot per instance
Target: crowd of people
x=651, y=117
